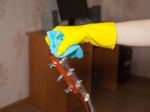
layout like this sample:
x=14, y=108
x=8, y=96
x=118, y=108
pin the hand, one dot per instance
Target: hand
x=72, y=35
x=98, y=34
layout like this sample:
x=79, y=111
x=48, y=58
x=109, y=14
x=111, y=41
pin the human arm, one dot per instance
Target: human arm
x=133, y=33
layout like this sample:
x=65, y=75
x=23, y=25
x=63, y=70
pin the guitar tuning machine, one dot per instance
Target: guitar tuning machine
x=68, y=90
x=87, y=96
x=52, y=65
x=78, y=83
x=62, y=60
x=60, y=78
x=70, y=71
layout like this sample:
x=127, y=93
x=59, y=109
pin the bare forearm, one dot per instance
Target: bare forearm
x=134, y=33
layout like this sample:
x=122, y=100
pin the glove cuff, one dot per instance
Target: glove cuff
x=101, y=34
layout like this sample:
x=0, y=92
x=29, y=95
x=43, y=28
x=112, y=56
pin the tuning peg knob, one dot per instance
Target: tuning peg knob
x=68, y=90
x=78, y=83
x=87, y=96
x=70, y=72
x=59, y=78
x=71, y=69
x=62, y=60
x=52, y=65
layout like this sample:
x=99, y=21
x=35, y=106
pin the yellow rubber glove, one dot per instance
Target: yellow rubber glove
x=47, y=40
x=98, y=34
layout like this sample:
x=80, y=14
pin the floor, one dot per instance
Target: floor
x=133, y=96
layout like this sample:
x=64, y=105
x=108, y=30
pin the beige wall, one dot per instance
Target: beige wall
x=16, y=18
x=123, y=10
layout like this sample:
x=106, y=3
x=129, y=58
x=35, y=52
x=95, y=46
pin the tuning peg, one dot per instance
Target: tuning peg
x=71, y=69
x=78, y=83
x=87, y=96
x=68, y=90
x=52, y=65
x=70, y=72
x=62, y=60
x=59, y=78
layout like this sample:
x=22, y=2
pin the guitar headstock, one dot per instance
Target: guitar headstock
x=66, y=73
x=75, y=85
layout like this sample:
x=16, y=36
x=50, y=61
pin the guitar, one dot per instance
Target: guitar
x=75, y=85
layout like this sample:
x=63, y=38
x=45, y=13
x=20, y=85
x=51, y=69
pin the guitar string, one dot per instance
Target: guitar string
x=82, y=88
x=66, y=65
x=75, y=78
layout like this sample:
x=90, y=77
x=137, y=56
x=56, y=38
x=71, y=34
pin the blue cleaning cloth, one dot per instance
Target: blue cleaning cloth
x=56, y=37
